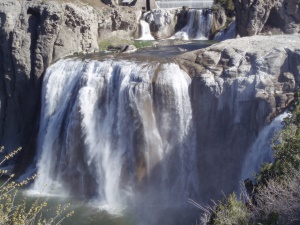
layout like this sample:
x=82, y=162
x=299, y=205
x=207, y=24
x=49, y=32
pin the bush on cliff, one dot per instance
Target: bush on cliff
x=16, y=212
x=229, y=211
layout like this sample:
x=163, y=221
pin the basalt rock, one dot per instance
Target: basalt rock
x=162, y=22
x=238, y=86
x=254, y=16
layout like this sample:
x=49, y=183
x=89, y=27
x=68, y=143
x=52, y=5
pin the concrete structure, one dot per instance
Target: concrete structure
x=200, y=4
x=147, y=5
x=144, y=5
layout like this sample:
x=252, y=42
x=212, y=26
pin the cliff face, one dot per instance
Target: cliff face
x=252, y=16
x=32, y=36
x=237, y=87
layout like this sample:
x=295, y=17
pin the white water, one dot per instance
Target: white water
x=261, y=150
x=228, y=33
x=145, y=31
x=117, y=132
x=198, y=26
x=190, y=3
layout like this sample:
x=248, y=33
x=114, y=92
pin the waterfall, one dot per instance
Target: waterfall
x=117, y=132
x=198, y=26
x=145, y=30
x=190, y=3
x=228, y=33
x=261, y=150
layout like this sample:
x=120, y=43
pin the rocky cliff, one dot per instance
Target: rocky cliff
x=237, y=87
x=274, y=16
x=33, y=35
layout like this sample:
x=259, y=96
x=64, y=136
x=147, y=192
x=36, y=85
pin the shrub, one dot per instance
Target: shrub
x=22, y=213
x=229, y=211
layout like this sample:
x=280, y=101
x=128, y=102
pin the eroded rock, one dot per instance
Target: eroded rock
x=238, y=86
x=33, y=35
x=253, y=16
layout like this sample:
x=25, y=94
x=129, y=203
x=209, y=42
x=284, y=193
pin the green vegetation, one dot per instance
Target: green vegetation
x=229, y=211
x=275, y=198
x=116, y=43
x=286, y=149
x=14, y=212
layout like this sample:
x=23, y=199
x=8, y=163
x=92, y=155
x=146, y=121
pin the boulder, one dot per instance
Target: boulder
x=253, y=16
x=162, y=22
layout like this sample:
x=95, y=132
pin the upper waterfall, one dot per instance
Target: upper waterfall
x=115, y=130
x=145, y=30
x=198, y=26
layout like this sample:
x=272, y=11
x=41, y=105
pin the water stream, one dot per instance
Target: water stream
x=198, y=26
x=261, y=149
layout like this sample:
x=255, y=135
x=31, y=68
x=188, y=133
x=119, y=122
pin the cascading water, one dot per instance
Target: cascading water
x=261, y=150
x=198, y=26
x=180, y=3
x=145, y=30
x=228, y=33
x=117, y=132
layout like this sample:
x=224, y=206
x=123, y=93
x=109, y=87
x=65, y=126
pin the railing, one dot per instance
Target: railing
x=190, y=3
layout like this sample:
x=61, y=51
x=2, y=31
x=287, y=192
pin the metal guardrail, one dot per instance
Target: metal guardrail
x=190, y=3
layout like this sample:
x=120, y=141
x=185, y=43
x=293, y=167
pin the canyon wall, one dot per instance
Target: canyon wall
x=33, y=35
x=268, y=16
x=238, y=86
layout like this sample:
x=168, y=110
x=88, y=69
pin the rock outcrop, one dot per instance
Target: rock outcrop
x=33, y=35
x=162, y=22
x=238, y=86
x=253, y=16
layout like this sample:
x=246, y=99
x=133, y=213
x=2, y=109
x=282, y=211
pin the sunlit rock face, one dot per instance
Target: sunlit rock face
x=162, y=22
x=238, y=86
x=254, y=17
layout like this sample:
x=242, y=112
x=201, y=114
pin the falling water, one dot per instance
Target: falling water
x=190, y=3
x=261, y=150
x=117, y=131
x=228, y=33
x=145, y=31
x=198, y=26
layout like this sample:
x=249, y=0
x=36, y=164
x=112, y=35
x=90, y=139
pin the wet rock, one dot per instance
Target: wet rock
x=128, y=48
x=238, y=86
x=162, y=22
x=32, y=36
